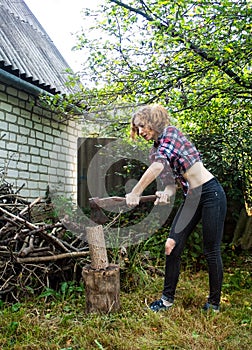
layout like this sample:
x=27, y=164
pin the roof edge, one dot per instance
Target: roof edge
x=19, y=83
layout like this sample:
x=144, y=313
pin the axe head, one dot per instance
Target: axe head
x=97, y=214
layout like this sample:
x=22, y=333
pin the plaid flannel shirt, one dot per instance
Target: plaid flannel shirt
x=177, y=154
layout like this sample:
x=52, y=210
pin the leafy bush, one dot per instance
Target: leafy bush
x=237, y=280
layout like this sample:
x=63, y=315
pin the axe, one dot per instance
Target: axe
x=97, y=204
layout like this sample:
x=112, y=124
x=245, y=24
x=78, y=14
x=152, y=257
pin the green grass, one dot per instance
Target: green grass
x=58, y=321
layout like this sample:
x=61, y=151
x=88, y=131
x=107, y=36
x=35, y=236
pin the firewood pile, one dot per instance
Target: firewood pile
x=37, y=251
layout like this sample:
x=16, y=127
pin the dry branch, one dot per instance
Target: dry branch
x=52, y=257
x=35, y=254
x=17, y=218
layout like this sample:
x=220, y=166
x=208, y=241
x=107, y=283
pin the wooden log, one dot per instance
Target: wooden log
x=97, y=247
x=42, y=259
x=102, y=289
x=102, y=280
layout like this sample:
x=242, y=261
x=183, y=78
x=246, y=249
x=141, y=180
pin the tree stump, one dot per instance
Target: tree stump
x=102, y=289
x=102, y=280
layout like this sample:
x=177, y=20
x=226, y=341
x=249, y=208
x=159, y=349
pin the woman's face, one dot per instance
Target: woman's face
x=144, y=130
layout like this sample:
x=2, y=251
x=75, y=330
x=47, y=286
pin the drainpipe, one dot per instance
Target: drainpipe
x=21, y=84
x=29, y=88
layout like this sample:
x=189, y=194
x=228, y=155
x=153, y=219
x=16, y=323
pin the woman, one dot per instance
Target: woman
x=176, y=160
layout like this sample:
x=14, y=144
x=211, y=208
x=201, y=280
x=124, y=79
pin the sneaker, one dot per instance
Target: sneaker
x=208, y=306
x=158, y=305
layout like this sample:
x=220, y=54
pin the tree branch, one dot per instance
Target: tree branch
x=52, y=257
x=203, y=54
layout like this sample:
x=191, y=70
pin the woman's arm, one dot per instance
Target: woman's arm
x=148, y=177
x=163, y=197
x=170, y=189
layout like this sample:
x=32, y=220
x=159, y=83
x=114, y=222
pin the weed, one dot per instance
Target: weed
x=67, y=291
x=238, y=279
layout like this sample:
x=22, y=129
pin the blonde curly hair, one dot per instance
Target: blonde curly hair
x=154, y=117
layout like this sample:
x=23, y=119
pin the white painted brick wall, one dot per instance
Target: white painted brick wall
x=37, y=149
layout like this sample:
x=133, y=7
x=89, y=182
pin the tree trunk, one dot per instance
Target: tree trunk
x=243, y=231
x=246, y=240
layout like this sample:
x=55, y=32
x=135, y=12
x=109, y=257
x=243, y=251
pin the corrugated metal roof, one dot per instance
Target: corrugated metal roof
x=27, y=51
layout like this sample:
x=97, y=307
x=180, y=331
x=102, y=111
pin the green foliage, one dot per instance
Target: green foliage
x=237, y=280
x=135, y=258
x=223, y=154
x=193, y=57
x=181, y=51
x=67, y=291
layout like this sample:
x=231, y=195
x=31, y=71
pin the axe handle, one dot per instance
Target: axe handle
x=111, y=201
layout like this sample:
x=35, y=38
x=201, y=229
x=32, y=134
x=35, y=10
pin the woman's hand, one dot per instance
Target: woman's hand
x=163, y=198
x=132, y=199
x=169, y=246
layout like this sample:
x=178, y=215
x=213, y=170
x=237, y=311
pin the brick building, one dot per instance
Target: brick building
x=37, y=149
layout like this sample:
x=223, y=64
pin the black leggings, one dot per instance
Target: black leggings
x=208, y=203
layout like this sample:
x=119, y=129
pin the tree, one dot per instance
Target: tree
x=193, y=56
x=185, y=52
